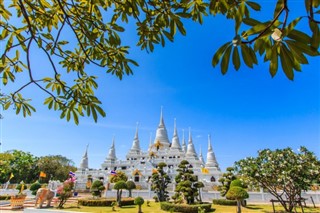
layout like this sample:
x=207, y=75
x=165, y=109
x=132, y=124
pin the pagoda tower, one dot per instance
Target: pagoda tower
x=85, y=161
x=161, y=134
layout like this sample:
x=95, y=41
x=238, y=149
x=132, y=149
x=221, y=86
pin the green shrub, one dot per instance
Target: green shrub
x=5, y=197
x=97, y=188
x=171, y=207
x=34, y=187
x=22, y=186
x=139, y=201
x=224, y=202
x=104, y=201
x=238, y=183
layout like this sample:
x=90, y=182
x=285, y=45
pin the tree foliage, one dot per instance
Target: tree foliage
x=26, y=167
x=119, y=186
x=139, y=201
x=56, y=167
x=283, y=172
x=187, y=185
x=130, y=185
x=118, y=177
x=97, y=188
x=226, y=180
x=160, y=181
x=71, y=35
x=22, y=165
x=237, y=193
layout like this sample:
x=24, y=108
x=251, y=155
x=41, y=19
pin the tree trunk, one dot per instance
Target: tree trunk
x=130, y=193
x=140, y=211
x=238, y=206
x=200, y=199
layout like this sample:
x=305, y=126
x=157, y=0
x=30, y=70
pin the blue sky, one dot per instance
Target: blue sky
x=243, y=111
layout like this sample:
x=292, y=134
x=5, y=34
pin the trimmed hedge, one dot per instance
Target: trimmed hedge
x=104, y=201
x=224, y=202
x=166, y=206
x=5, y=197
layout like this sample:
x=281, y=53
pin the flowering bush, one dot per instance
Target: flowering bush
x=283, y=172
x=65, y=191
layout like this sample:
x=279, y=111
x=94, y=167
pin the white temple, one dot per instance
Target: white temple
x=139, y=164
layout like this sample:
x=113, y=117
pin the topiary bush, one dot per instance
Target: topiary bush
x=139, y=201
x=171, y=207
x=238, y=183
x=97, y=188
x=34, y=187
x=224, y=202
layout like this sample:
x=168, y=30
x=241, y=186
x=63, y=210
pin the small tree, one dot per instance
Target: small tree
x=282, y=170
x=226, y=180
x=186, y=190
x=159, y=182
x=119, y=186
x=199, y=185
x=130, y=185
x=237, y=193
x=97, y=188
x=139, y=201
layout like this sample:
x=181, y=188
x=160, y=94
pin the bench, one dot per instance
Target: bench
x=299, y=201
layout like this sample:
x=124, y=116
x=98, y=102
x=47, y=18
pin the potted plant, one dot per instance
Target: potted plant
x=17, y=201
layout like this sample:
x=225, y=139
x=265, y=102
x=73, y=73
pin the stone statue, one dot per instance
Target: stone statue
x=43, y=195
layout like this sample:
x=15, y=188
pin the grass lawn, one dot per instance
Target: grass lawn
x=155, y=208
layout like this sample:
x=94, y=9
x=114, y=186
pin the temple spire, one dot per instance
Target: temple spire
x=112, y=151
x=190, y=149
x=175, y=139
x=85, y=161
x=201, y=157
x=184, y=146
x=211, y=158
x=161, y=134
x=136, y=143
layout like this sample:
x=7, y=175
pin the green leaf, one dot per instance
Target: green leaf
x=304, y=48
x=279, y=6
x=273, y=68
x=250, y=21
x=298, y=54
x=236, y=58
x=254, y=5
x=246, y=55
x=290, y=27
x=299, y=36
x=239, y=16
x=75, y=117
x=180, y=27
x=315, y=39
x=218, y=54
x=225, y=60
x=286, y=63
